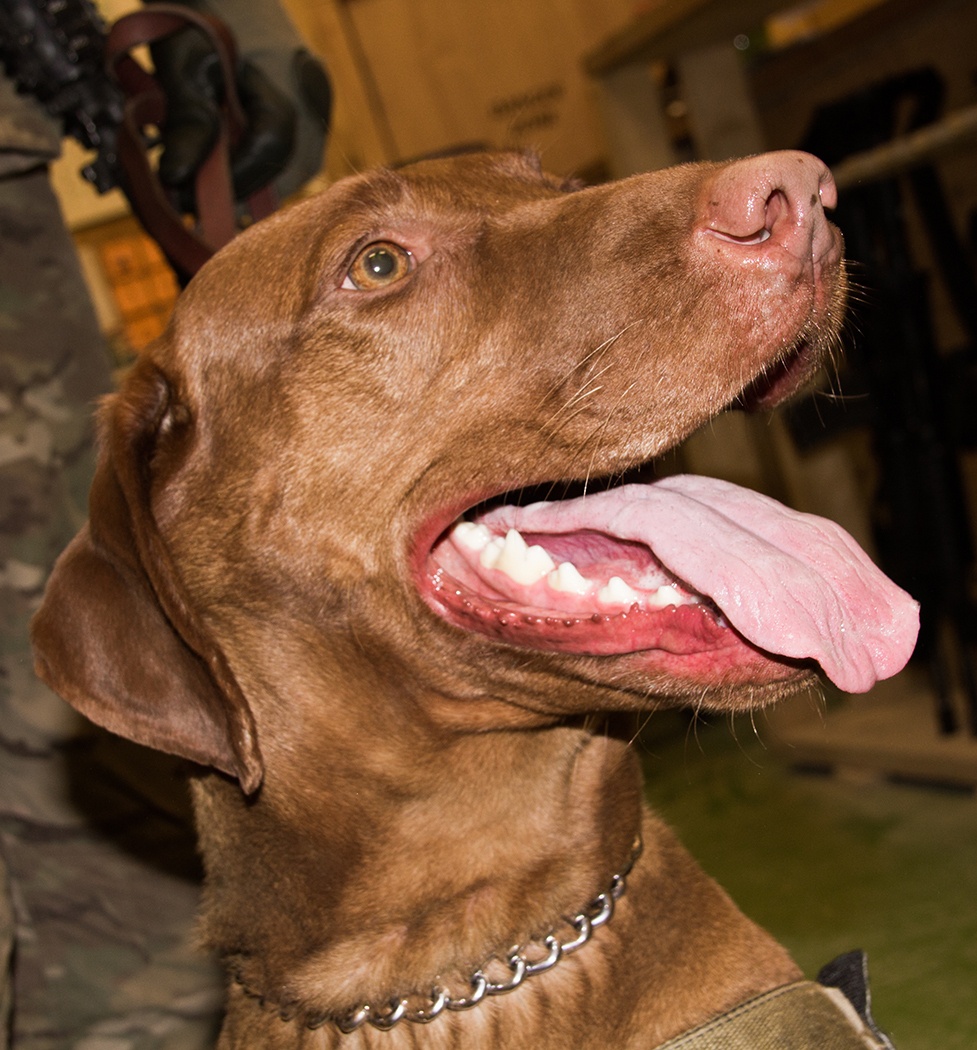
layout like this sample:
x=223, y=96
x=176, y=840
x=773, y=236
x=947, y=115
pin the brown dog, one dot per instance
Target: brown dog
x=404, y=778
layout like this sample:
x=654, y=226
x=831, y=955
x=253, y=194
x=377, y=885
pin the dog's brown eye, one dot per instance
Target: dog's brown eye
x=379, y=265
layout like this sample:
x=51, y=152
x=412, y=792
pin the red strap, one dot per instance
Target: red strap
x=186, y=248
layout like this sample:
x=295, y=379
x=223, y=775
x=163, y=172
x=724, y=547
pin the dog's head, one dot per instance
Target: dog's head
x=283, y=474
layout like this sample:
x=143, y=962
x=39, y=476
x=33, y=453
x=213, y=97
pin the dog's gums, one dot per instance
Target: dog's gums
x=644, y=568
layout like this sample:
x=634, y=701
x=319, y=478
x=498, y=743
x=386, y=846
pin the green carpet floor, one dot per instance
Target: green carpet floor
x=828, y=865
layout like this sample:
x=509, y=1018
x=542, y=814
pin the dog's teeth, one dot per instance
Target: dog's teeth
x=566, y=578
x=617, y=592
x=511, y=552
x=666, y=595
x=490, y=552
x=539, y=562
x=524, y=564
x=527, y=565
x=474, y=537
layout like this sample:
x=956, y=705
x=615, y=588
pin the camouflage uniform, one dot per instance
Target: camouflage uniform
x=98, y=875
x=99, y=879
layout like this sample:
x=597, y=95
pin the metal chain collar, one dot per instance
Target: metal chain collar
x=597, y=913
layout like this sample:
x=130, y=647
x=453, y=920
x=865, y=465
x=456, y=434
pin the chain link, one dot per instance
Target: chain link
x=598, y=912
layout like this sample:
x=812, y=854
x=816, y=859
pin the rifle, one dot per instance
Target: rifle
x=55, y=51
x=61, y=52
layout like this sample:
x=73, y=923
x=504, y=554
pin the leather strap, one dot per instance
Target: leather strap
x=186, y=248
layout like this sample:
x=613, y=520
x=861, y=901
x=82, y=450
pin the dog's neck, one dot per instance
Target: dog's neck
x=513, y=968
x=386, y=853
x=676, y=952
x=366, y=892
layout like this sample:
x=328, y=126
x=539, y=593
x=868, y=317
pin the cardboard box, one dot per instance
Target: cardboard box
x=503, y=73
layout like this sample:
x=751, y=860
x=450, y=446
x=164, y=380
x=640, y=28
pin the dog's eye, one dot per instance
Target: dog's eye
x=378, y=265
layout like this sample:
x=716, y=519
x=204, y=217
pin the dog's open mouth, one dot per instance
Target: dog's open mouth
x=689, y=577
x=692, y=576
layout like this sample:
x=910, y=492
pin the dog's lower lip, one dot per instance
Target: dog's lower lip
x=782, y=380
x=601, y=632
x=685, y=635
x=690, y=642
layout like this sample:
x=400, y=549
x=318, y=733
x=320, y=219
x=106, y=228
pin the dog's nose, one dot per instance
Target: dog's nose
x=772, y=201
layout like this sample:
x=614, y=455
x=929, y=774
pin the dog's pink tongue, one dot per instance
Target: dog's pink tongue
x=793, y=584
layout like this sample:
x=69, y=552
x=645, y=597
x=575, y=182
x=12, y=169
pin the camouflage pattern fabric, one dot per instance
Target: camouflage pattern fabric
x=6, y=955
x=27, y=136
x=99, y=880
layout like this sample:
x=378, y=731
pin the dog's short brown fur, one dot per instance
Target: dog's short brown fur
x=388, y=799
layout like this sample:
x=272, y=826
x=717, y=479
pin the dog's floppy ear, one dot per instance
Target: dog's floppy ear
x=115, y=634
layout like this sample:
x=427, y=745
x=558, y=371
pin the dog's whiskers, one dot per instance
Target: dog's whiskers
x=585, y=393
x=642, y=724
x=591, y=359
x=593, y=439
